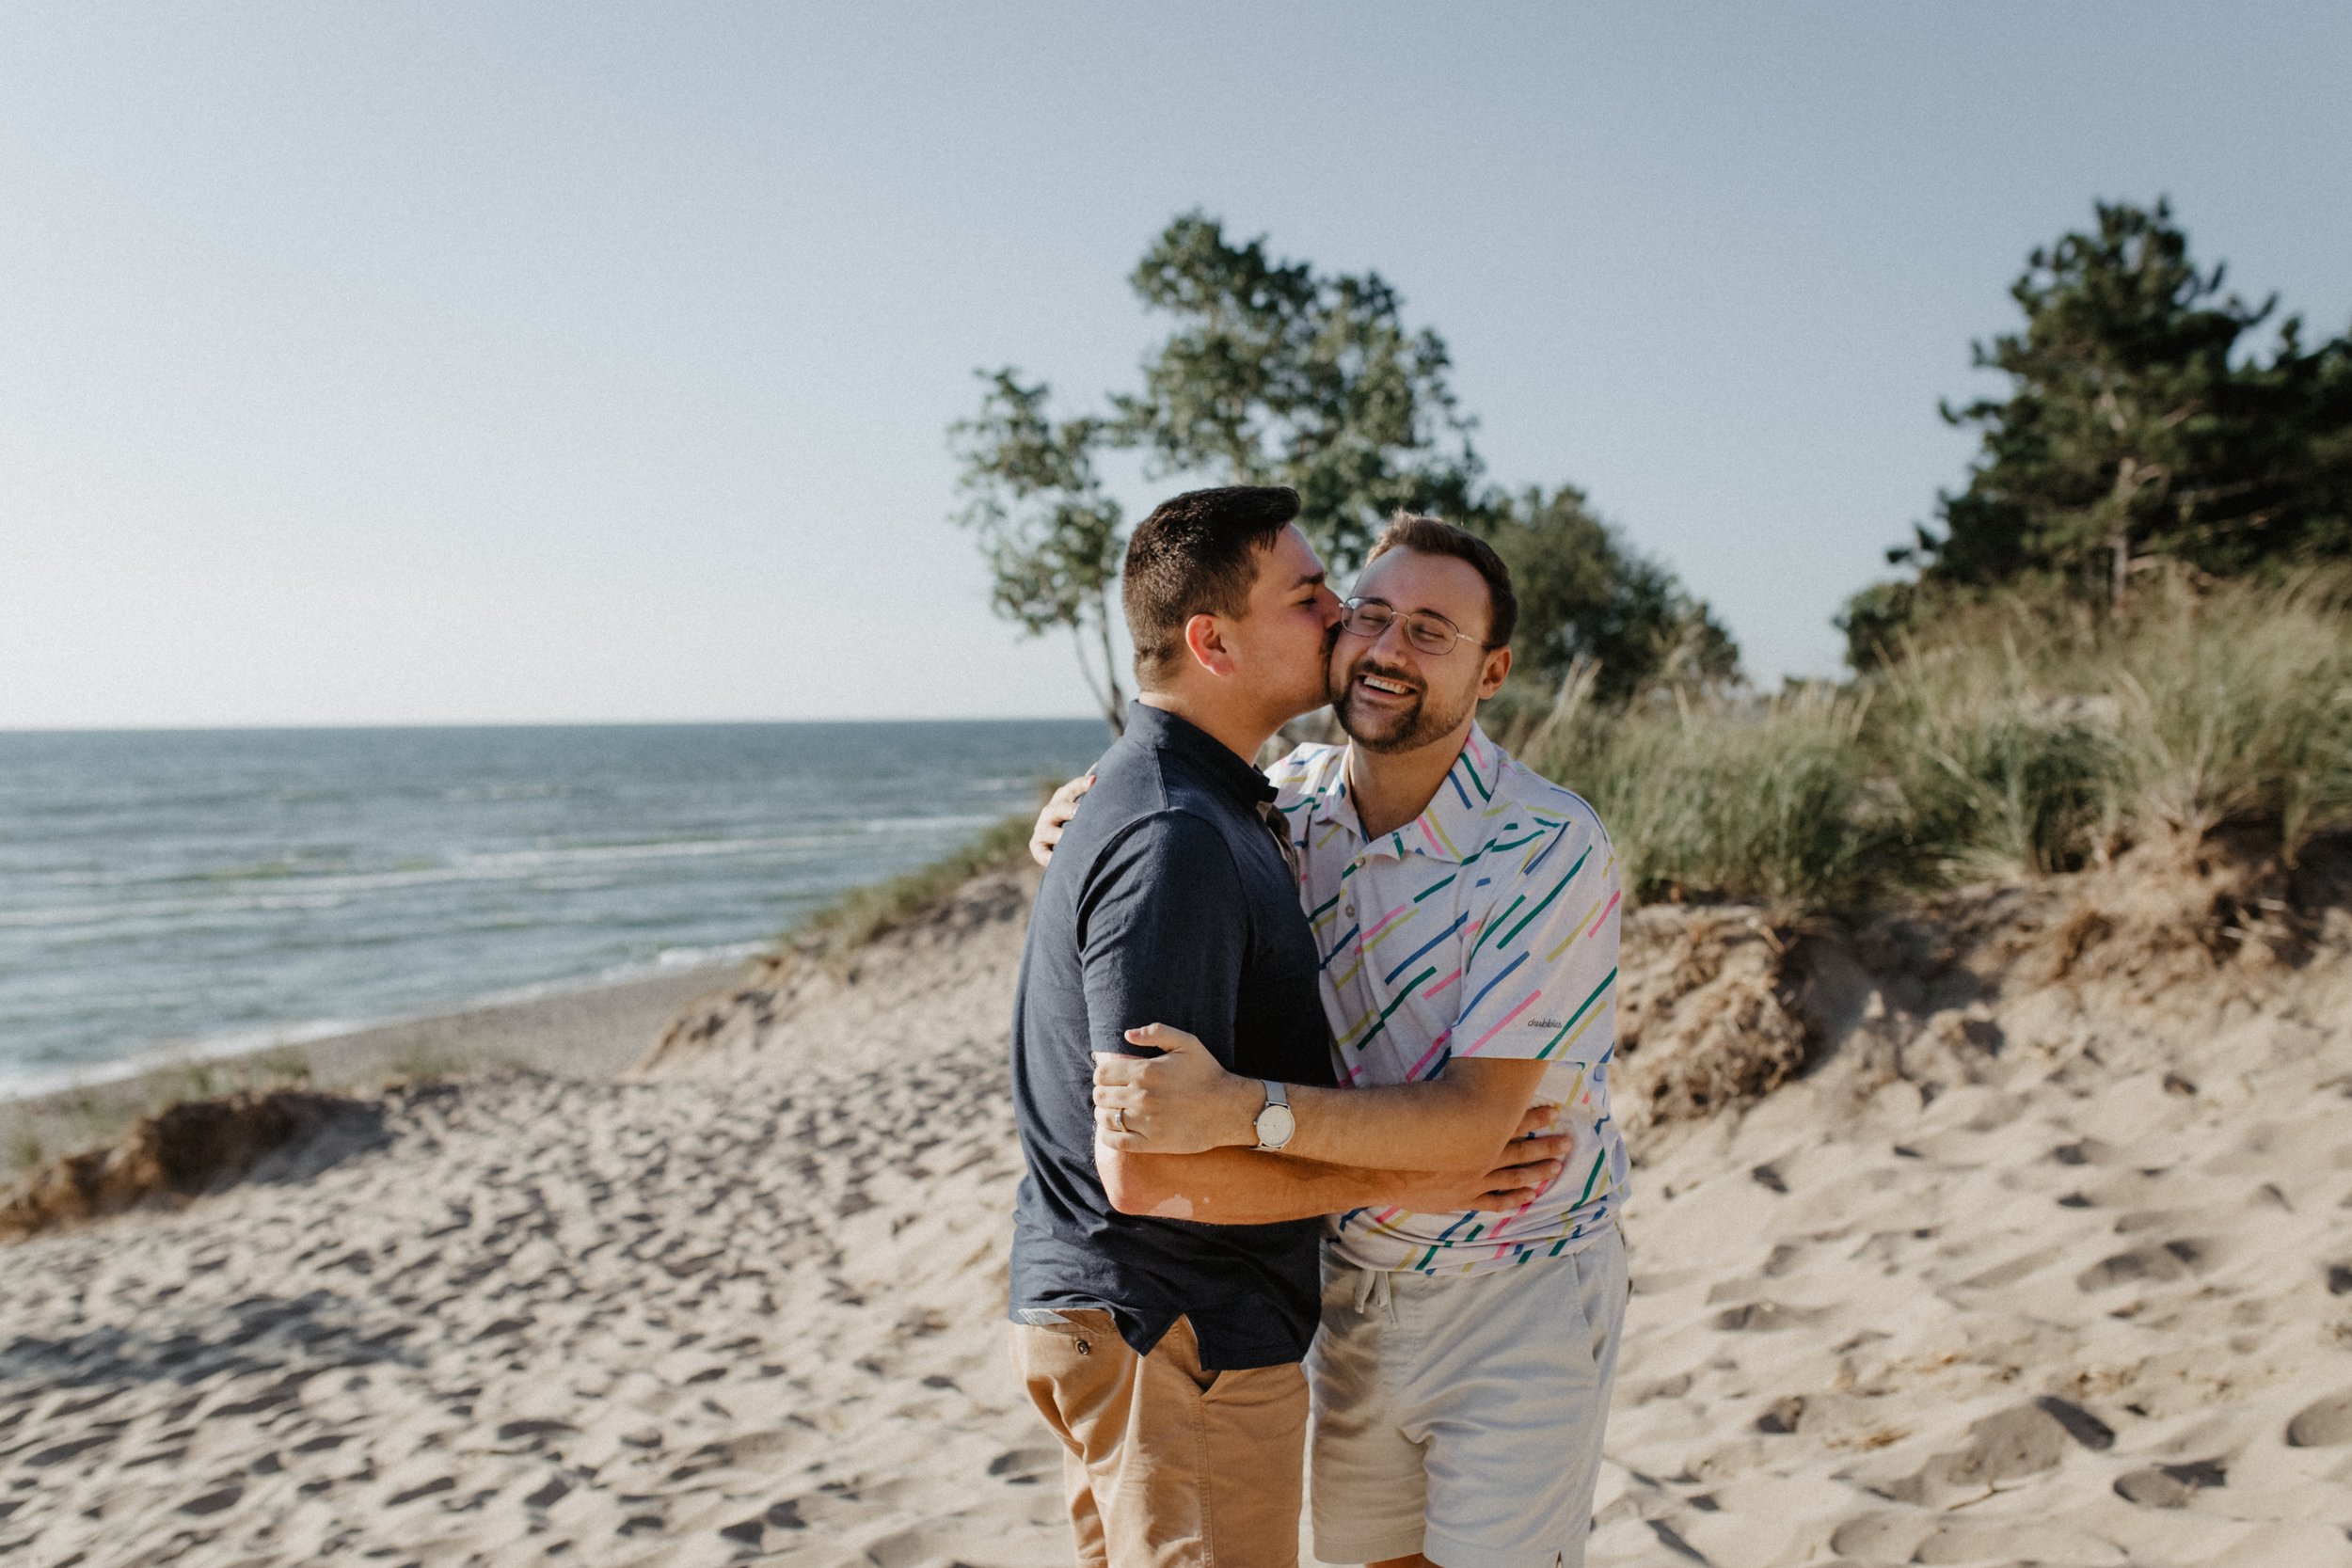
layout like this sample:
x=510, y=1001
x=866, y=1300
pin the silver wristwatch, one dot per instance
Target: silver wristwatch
x=1275, y=1123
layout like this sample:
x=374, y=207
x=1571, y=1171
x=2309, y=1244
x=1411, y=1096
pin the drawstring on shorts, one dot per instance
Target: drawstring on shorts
x=1372, y=1293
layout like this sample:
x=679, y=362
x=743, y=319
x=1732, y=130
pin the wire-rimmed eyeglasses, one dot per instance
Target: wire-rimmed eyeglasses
x=1425, y=630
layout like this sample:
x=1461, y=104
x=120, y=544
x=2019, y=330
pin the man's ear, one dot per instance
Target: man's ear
x=1204, y=639
x=1498, y=666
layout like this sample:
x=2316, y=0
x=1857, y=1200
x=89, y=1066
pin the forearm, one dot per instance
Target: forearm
x=1238, y=1186
x=1183, y=1101
x=1437, y=1125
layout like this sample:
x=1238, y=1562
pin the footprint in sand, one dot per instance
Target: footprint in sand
x=2013, y=1444
x=2080, y=1424
x=1761, y=1317
x=2170, y=1486
x=1880, y=1537
x=1023, y=1467
x=2157, y=1265
x=2323, y=1425
x=431, y=1488
x=749, y=1534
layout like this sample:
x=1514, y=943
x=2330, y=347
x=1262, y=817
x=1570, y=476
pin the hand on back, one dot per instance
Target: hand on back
x=1059, y=809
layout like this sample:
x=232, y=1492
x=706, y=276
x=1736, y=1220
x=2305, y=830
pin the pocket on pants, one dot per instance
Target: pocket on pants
x=1072, y=1341
x=1255, y=1386
x=1339, y=1290
x=1182, y=1345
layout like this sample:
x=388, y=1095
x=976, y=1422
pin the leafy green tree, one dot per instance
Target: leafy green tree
x=2137, y=428
x=1276, y=375
x=1273, y=373
x=1586, y=595
x=1053, y=539
x=1875, y=619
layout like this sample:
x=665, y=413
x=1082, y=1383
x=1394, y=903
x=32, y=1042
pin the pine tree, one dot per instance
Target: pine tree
x=2138, y=430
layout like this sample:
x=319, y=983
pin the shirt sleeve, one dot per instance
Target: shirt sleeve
x=1162, y=936
x=1542, y=978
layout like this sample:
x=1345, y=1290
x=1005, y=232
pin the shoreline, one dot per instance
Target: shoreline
x=589, y=1030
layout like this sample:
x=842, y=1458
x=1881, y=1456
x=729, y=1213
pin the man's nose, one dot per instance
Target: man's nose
x=1403, y=647
x=1329, y=603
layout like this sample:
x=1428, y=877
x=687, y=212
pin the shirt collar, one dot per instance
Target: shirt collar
x=1162, y=731
x=1448, y=826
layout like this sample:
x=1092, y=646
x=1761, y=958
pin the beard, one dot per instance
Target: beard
x=1404, y=725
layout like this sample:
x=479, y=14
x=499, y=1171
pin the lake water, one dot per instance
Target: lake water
x=221, y=888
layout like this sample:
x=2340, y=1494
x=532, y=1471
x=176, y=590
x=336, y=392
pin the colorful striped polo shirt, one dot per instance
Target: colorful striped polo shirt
x=1487, y=927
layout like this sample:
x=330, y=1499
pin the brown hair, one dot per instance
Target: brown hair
x=1196, y=555
x=1409, y=531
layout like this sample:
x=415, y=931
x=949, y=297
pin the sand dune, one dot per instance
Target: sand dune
x=2042, y=1264
x=2046, y=1260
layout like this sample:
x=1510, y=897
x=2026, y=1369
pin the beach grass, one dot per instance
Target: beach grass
x=2019, y=739
x=422, y=1060
x=861, y=915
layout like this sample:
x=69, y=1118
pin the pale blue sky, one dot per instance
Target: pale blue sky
x=415, y=363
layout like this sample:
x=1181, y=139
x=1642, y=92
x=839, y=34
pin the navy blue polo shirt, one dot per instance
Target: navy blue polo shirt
x=1167, y=901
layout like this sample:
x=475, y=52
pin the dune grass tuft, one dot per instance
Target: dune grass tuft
x=1709, y=798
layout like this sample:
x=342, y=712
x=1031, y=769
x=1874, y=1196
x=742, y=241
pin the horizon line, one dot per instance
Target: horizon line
x=264, y=726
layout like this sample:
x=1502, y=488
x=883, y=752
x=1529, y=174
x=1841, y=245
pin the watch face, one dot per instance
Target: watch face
x=1275, y=1126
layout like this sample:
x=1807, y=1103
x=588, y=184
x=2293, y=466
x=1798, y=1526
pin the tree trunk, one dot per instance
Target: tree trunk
x=1108, y=701
x=2127, y=483
x=1117, y=707
x=1106, y=691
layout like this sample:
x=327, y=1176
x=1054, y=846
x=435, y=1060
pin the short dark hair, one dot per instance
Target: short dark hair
x=1409, y=531
x=1196, y=555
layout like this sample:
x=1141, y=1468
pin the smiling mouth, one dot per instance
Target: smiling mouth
x=1382, y=686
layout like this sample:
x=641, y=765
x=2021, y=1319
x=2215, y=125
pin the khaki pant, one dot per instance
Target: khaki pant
x=1167, y=1465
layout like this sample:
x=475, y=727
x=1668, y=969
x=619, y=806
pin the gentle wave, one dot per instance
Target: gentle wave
x=329, y=889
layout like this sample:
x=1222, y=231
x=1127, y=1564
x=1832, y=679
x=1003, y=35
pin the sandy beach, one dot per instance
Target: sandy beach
x=2043, y=1259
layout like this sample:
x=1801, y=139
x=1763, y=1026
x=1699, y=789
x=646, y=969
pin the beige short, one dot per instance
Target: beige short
x=1460, y=1416
x=1167, y=1464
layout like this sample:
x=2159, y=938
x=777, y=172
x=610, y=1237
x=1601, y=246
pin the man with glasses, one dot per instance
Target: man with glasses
x=1465, y=913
